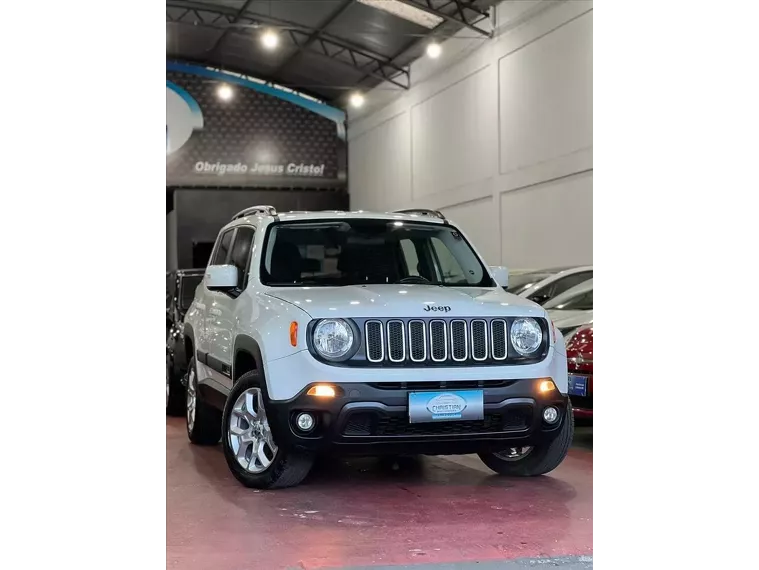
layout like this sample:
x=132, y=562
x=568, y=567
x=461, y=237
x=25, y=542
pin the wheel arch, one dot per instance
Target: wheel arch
x=247, y=357
x=189, y=342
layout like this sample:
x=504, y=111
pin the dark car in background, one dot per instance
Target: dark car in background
x=580, y=373
x=180, y=291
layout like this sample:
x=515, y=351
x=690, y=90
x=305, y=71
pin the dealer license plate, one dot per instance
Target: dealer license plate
x=450, y=405
x=578, y=385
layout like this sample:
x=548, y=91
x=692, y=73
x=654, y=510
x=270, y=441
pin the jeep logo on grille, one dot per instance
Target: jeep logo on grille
x=439, y=308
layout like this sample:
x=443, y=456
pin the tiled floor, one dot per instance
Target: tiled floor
x=365, y=512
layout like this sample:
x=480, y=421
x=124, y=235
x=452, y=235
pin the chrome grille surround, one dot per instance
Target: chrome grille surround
x=459, y=340
x=495, y=346
x=371, y=347
x=479, y=334
x=436, y=345
x=395, y=347
x=413, y=332
x=454, y=341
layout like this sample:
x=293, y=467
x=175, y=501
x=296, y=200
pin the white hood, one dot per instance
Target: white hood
x=406, y=301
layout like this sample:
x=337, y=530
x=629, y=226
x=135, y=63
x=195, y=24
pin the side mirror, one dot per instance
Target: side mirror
x=501, y=275
x=540, y=299
x=221, y=277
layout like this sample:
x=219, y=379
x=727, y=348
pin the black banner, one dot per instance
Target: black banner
x=225, y=130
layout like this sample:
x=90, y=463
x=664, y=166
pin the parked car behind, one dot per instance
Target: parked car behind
x=572, y=309
x=180, y=291
x=543, y=285
x=580, y=368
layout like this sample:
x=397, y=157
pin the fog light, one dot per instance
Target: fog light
x=305, y=422
x=550, y=415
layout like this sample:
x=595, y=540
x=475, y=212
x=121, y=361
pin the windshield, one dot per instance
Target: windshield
x=519, y=283
x=363, y=252
x=189, y=284
x=580, y=302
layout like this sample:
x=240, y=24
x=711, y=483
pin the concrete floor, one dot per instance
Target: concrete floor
x=442, y=513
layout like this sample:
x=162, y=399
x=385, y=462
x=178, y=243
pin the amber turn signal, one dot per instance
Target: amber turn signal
x=294, y=333
x=547, y=386
x=321, y=390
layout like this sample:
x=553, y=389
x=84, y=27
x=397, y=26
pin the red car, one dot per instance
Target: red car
x=580, y=369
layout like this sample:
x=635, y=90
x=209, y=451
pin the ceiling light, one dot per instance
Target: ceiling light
x=270, y=39
x=224, y=92
x=357, y=100
x=405, y=11
x=434, y=50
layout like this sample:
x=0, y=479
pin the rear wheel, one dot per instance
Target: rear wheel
x=531, y=461
x=175, y=393
x=249, y=444
x=203, y=421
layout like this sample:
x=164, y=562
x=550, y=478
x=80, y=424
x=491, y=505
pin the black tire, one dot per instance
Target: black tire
x=176, y=398
x=288, y=467
x=206, y=427
x=541, y=459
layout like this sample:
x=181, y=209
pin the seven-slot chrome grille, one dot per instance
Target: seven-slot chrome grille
x=437, y=341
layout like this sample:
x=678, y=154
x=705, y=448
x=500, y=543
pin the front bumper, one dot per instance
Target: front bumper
x=372, y=419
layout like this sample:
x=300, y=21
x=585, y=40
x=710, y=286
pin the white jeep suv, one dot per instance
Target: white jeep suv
x=368, y=333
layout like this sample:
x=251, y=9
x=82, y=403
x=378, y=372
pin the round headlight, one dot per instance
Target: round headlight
x=526, y=336
x=333, y=338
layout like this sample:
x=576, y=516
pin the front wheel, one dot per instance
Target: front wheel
x=531, y=461
x=251, y=452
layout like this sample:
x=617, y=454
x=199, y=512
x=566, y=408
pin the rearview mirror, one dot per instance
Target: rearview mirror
x=501, y=275
x=221, y=277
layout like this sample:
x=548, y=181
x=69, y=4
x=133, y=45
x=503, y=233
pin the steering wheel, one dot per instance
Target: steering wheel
x=415, y=279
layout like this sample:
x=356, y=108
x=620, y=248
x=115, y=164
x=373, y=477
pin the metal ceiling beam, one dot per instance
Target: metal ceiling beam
x=385, y=70
x=462, y=20
x=314, y=35
x=235, y=20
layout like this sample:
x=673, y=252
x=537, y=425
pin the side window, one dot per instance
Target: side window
x=450, y=268
x=220, y=257
x=570, y=281
x=410, y=257
x=241, y=254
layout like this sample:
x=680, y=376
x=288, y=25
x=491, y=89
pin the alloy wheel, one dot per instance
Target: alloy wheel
x=250, y=436
x=191, y=398
x=514, y=453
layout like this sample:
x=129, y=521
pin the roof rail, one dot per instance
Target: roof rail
x=268, y=210
x=422, y=212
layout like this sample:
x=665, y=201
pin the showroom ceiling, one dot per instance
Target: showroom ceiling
x=325, y=48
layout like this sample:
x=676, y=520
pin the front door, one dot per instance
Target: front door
x=209, y=315
x=226, y=309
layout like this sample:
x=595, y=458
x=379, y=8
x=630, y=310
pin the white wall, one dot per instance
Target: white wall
x=497, y=134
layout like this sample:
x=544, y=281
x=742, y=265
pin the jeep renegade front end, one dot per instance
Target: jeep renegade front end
x=365, y=333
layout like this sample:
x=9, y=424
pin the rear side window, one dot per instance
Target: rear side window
x=570, y=281
x=220, y=257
